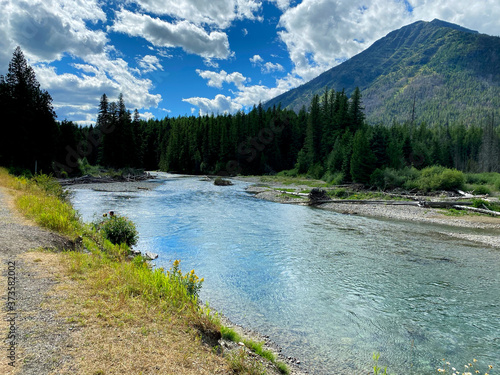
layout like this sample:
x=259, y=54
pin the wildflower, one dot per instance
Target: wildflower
x=448, y=363
x=474, y=360
x=440, y=370
x=490, y=367
x=477, y=371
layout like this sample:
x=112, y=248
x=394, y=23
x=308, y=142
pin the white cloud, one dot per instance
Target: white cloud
x=220, y=104
x=46, y=30
x=320, y=34
x=191, y=38
x=85, y=88
x=256, y=59
x=267, y=67
x=245, y=97
x=481, y=15
x=220, y=13
x=217, y=79
x=281, y=4
x=149, y=63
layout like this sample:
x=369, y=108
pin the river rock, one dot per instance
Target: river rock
x=150, y=256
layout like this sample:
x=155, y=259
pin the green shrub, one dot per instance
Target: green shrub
x=440, y=178
x=377, y=179
x=340, y=193
x=333, y=178
x=288, y=173
x=118, y=230
x=316, y=171
x=50, y=186
x=481, y=203
x=481, y=190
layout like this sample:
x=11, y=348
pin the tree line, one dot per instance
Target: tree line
x=329, y=140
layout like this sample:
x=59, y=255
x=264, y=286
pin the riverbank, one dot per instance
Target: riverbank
x=87, y=311
x=481, y=229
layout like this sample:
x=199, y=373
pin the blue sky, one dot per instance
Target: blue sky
x=184, y=57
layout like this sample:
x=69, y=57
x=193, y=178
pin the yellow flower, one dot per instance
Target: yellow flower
x=440, y=370
x=474, y=360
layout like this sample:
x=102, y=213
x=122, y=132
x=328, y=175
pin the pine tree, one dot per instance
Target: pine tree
x=362, y=159
x=29, y=128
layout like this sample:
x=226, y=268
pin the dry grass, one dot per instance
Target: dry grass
x=116, y=334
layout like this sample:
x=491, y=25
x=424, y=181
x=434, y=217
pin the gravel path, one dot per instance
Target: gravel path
x=40, y=334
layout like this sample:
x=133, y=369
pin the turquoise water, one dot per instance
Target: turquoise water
x=330, y=289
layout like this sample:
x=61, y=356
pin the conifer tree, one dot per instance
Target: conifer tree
x=29, y=128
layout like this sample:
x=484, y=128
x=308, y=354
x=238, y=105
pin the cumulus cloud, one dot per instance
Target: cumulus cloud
x=149, y=63
x=46, y=30
x=220, y=104
x=267, y=67
x=217, y=79
x=320, y=34
x=191, y=38
x=481, y=15
x=220, y=13
x=85, y=88
x=256, y=59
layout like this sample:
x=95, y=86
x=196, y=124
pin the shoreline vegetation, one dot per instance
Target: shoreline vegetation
x=113, y=302
x=125, y=316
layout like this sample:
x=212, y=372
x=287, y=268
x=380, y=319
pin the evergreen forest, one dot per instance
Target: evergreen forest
x=330, y=139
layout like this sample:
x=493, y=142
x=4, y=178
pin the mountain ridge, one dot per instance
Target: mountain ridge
x=434, y=71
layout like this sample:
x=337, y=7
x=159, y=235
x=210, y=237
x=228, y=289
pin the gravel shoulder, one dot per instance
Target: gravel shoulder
x=40, y=334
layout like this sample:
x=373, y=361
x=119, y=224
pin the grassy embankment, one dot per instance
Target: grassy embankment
x=131, y=318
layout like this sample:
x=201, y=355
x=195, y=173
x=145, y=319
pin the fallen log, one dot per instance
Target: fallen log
x=480, y=210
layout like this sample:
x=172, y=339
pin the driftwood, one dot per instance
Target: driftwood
x=88, y=179
x=480, y=210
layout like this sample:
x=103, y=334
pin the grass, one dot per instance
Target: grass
x=133, y=319
x=287, y=180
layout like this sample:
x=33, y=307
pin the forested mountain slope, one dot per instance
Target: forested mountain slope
x=435, y=72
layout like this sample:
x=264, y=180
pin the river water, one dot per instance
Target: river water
x=330, y=289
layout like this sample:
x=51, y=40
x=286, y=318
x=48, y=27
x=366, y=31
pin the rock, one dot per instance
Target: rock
x=221, y=182
x=135, y=252
x=241, y=344
x=150, y=256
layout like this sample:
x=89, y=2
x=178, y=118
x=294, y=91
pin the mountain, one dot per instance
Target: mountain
x=435, y=71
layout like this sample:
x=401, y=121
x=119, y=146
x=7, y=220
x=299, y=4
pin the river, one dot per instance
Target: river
x=330, y=289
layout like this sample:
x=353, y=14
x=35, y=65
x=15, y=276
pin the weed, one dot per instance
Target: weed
x=240, y=363
x=258, y=348
x=377, y=370
x=230, y=334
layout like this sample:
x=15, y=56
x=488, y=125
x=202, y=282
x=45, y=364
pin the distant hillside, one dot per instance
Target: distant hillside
x=444, y=71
